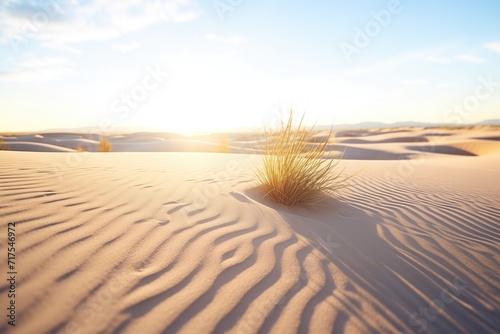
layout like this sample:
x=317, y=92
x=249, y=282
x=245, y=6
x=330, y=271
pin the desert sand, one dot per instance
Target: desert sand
x=180, y=241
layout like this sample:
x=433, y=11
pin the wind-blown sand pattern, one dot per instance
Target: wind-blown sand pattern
x=185, y=243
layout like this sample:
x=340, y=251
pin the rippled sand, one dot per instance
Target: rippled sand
x=185, y=242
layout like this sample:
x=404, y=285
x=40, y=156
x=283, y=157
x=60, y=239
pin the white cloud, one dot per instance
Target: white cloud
x=232, y=39
x=45, y=62
x=34, y=75
x=39, y=69
x=495, y=46
x=471, y=59
x=125, y=47
x=433, y=59
x=61, y=47
x=386, y=65
x=447, y=85
x=415, y=82
x=81, y=21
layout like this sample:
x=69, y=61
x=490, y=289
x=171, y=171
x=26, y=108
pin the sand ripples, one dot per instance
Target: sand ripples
x=121, y=247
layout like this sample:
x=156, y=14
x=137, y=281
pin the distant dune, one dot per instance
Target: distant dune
x=143, y=241
x=372, y=144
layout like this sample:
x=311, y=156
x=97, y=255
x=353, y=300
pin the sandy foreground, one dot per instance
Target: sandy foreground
x=164, y=242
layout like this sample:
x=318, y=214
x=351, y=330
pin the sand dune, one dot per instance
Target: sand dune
x=36, y=147
x=186, y=243
x=417, y=144
x=375, y=144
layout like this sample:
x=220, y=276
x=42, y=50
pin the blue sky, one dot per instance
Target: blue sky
x=198, y=66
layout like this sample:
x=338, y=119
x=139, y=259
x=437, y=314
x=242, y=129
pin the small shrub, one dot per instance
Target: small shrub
x=104, y=145
x=223, y=146
x=294, y=171
x=3, y=146
x=80, y=149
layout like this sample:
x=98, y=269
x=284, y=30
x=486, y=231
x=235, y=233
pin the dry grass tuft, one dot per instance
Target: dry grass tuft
x=3, y=146
x=80, y=149
x=294, y=171
x=223, y=146
x=104, y=145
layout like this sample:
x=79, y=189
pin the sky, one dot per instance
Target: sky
x=198, y=66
